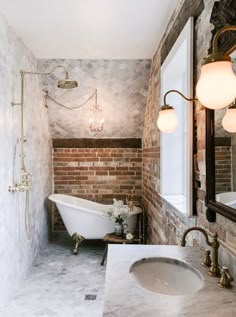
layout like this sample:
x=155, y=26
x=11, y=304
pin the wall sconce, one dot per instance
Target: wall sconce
x=96, y=121
x=167, y=121
x=229, y=120
x=216, y=87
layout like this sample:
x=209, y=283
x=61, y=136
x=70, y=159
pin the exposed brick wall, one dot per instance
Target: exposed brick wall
x=166, y=225
x=223, y=159
x=98, y=174
x=233, y=145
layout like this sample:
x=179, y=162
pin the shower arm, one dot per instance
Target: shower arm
x=23, y=73
x=49, y=73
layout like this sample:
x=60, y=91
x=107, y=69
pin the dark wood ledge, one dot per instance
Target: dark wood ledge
x=97, y=143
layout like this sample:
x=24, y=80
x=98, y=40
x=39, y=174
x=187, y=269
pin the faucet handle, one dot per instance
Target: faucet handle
x=206, y=261
x=226, y=278
x=226, y=271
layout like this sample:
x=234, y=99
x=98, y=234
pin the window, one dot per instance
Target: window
x=176, y=148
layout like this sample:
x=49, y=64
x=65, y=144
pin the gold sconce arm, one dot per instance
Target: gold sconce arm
x=177, y=92
x=218, y=34
x=167, y=120
x=217, y=56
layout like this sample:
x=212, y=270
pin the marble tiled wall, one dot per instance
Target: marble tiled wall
x=16, y=252
x=122, y=89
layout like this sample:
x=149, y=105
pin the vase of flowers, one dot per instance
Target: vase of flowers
x=118, y=212
x=119, y=229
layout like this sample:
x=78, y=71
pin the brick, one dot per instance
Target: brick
x=122, y=168
x=101, y=172
x=102, y=168
x=223, y=158
x=105, y=159
x=93, y=174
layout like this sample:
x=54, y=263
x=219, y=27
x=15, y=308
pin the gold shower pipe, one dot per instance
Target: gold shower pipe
x=25, y=181
x=21, y=103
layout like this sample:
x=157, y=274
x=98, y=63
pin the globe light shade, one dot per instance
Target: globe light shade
x=216, y=87
x=167, y=121
x=229, y=120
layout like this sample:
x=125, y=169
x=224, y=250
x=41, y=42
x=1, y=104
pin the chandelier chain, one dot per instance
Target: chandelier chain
x=70, y=108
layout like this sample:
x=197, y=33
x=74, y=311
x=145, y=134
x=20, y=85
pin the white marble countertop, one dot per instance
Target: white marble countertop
x=124, y=298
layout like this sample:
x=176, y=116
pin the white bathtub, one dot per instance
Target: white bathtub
x=85, y=217
x=228, y=198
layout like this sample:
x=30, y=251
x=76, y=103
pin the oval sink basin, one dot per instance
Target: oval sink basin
x=166, y=276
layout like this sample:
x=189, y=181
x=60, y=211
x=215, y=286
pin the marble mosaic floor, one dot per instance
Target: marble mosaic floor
x=58, y=284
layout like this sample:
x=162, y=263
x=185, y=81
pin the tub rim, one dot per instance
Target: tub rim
x=97, y=212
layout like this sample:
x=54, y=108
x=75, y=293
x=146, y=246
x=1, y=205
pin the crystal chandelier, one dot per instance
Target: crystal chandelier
x=96, y=121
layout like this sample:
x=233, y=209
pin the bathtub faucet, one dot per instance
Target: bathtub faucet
x=130, y=201
x=131, y=196
x=134, y=203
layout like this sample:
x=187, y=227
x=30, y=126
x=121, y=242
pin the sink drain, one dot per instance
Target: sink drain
x=90, y=297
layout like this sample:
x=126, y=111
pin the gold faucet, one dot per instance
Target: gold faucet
x=214, y=269
x=25, y=183
x=131, y=202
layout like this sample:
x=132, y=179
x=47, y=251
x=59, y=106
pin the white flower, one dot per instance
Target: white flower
x=129, y=236
x=118, y=212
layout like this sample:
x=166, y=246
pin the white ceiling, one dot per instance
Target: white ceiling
x=90, y=29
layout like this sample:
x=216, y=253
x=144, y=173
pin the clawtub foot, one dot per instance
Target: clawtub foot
x=78, y=239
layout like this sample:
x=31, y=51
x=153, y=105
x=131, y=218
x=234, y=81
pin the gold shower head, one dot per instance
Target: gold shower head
x=64, y=84
x=67, y=84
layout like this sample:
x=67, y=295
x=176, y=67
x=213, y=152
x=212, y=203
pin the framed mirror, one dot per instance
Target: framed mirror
x=220, y=144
